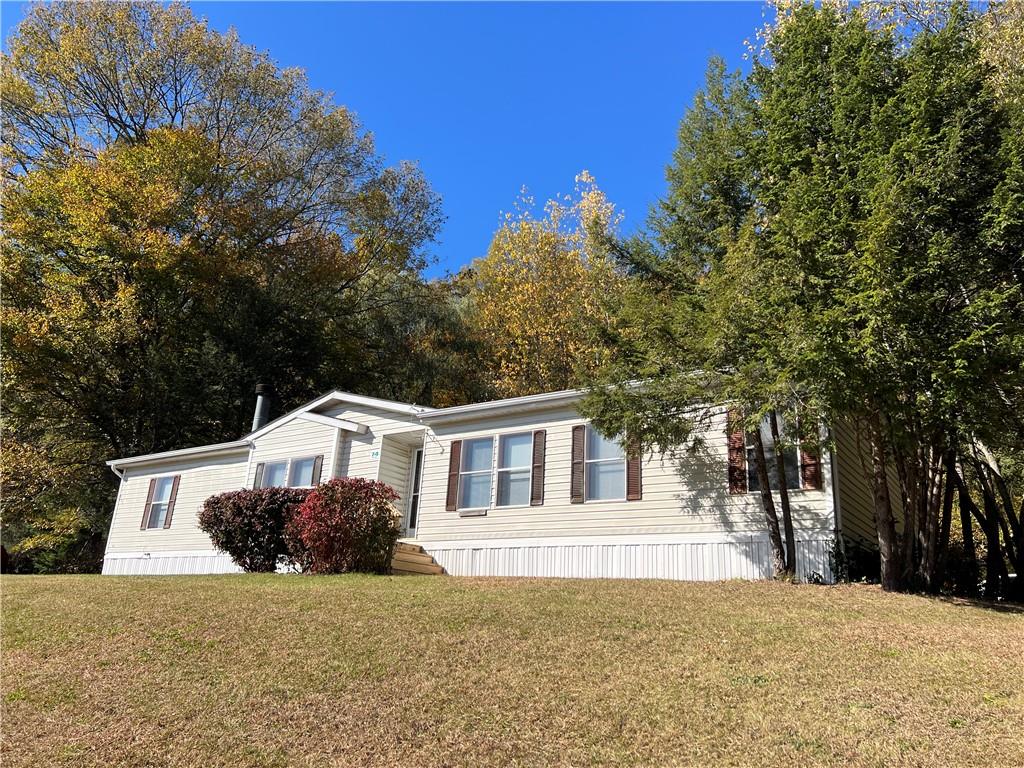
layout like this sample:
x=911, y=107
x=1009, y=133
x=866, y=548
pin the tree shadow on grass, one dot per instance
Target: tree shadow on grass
x=1014, y=608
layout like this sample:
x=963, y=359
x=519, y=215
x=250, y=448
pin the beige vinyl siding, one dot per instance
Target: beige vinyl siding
x=294, y=439
x=683, y=493
x=393, y=468
x=200, y=479
x=856, y=498
x=356, y=455
x=857, y=511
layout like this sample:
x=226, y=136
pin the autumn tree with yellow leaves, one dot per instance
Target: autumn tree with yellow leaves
x=182, y=219
x=534, y=301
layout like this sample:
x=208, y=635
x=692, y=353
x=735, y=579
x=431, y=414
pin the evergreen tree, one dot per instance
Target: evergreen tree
x=841, y=240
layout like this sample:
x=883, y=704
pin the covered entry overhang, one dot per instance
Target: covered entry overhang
x=333, y=421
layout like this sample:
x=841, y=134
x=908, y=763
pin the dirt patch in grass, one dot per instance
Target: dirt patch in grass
x=411, y=671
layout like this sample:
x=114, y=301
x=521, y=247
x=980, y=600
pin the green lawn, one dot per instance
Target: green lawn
x=435, y=671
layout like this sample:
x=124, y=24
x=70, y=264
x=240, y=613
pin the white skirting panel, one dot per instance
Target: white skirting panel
x=684, y=558
x=681, y=558
x=167, y=563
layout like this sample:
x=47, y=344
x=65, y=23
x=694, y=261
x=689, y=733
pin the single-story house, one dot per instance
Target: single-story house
x=515, y=487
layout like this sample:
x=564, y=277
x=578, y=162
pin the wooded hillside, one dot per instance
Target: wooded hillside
x=842, y=237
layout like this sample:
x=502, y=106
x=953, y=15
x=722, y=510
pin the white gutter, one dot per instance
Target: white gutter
x=201, y=450
x=527, y=402
x=376, y=402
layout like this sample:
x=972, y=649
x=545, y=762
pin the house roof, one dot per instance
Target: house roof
x=182, y=453
x=337, y=396
x=421, y=413
x=510, y=404
x=246, y=442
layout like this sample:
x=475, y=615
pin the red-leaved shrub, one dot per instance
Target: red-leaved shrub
x=250, y=525
x=348, y=524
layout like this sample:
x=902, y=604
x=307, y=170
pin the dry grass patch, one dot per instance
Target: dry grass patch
x=288, y=670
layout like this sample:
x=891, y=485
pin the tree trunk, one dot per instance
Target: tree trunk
x=995, y=562
x=787, y=514
x=967, y=528
x=934, y=472
x=906, y=472
x=941, y=549
x=990, y=527
x=1003, y=505
x=1013, y=532
x=994, y=569
x=772, y=519
x=1015, y=522
x=885, y=525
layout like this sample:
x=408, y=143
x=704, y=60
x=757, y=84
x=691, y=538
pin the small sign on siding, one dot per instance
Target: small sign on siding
x=375, y=454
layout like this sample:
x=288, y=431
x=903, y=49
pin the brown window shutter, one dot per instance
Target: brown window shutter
x=579, y=438
x=149, y=503
x=634, y=480
x=318, y=468
x=170, y=501
x=537, y=477
x=258, y=482
x=737, y=453
x=810, y=469
x=454, y=461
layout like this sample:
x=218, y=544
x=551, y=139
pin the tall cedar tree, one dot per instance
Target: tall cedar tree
x=698, y=322
x=842, y=240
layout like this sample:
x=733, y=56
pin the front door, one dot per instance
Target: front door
x=413, y=513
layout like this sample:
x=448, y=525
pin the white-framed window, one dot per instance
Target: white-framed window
x=475, y=473
x=161, y=501
x=275, y=474
x=300, y=475
x=299, y=472
x=604, y=464
x=790, y=454
x=515, y=469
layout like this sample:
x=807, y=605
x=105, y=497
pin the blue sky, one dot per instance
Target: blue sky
x=488, y=98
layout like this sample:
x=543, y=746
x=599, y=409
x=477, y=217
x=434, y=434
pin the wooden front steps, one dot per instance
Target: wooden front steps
x=410, y=559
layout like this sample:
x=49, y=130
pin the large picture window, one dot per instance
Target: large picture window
x=604, y=468
x=509, y=476
x=475, y=473
x=514, y=469
x=790, y=454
